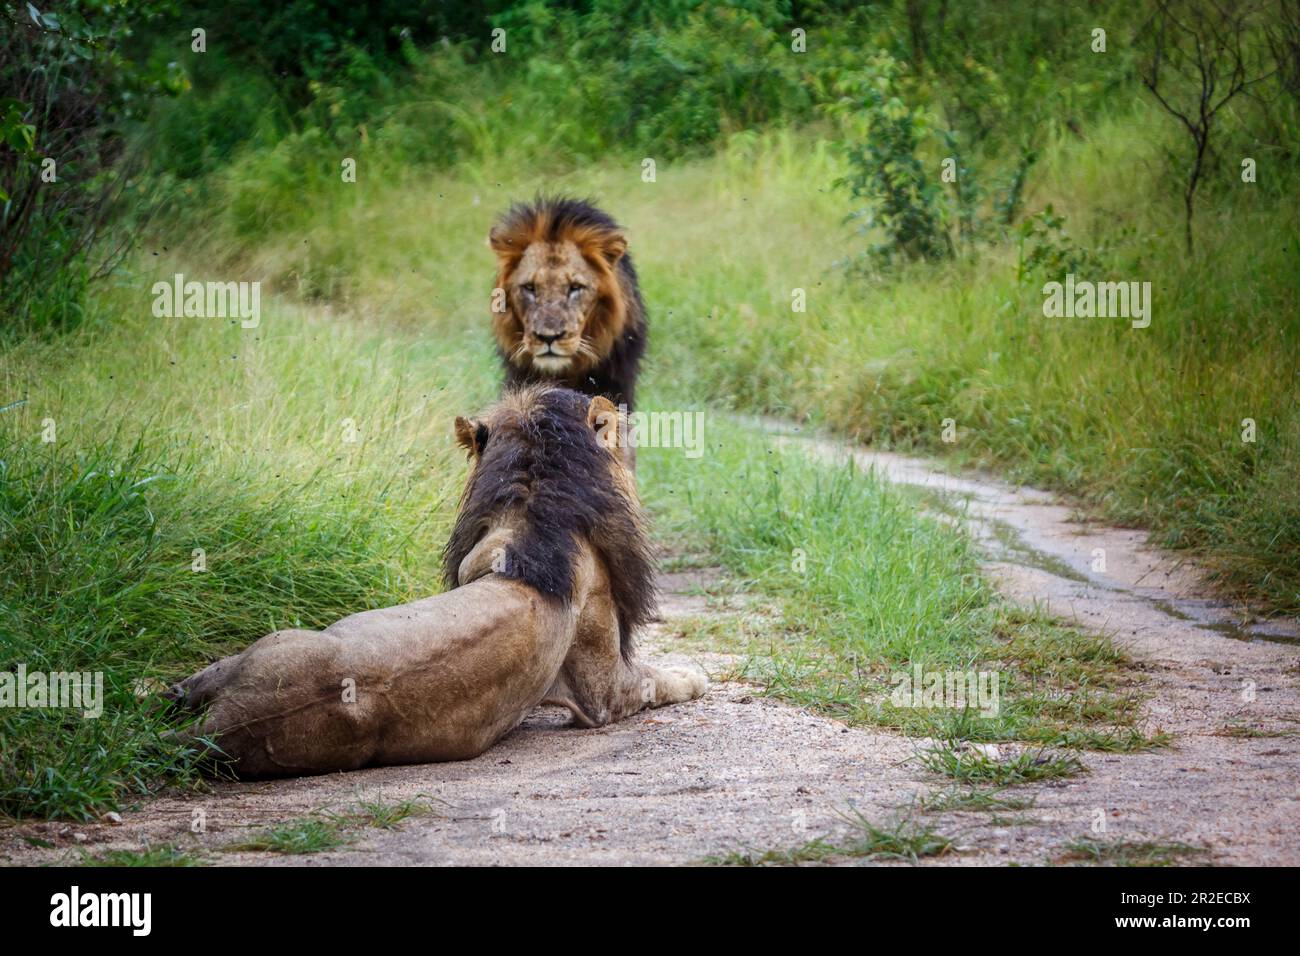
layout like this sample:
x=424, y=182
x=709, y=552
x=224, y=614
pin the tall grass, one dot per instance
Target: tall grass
x=1144, y=425
x=853, y=584
x=206, y=484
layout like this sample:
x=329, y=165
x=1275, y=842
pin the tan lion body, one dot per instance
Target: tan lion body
x=438, y=679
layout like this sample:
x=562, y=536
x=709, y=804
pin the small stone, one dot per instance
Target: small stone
x=988, y=750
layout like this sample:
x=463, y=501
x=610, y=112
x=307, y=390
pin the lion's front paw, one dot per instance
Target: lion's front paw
x=690, y=683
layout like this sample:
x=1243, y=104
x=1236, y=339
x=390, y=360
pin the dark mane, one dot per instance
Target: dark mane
x=552, y=218
x=540, y=455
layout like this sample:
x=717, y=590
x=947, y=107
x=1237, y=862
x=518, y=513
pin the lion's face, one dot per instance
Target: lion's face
x=554, y=293
x=564, y=305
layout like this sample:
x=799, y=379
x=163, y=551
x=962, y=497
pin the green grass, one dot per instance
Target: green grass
x=1143, y=425
x=295, y=837
x=902, y=840
x=1241, y=731
x=316, y=833
x=969, y=766
x=848, y=585
x=989, y=800
x=166, y=854
x=331, y=829
x=1130, y=853
x=388, y=816
x=216, y=439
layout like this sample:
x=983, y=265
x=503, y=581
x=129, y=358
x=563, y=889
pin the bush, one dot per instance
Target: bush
x=62, y=168
x=885, y=169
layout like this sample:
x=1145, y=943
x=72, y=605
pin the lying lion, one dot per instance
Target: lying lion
x=550, y=573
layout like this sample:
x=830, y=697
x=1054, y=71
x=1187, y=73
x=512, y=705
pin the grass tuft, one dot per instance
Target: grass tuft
x=331, y=829
x=306, y=835
x=973, y=799
x=1131, y=853
x=978, y=767
x=167, y=854
x=900, y=840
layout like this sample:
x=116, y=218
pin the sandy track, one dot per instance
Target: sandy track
x=734, y=771
x=1211, y=668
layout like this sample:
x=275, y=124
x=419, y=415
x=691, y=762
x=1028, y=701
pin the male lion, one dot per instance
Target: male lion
x=569, y=310
x=550, y=574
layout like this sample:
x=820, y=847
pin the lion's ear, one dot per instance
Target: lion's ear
x=472, y=435
x=606, y=421
x=502, y=243
x=613, y=247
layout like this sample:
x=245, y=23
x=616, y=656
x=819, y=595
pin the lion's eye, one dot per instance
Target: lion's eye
x=530, y=288
x=575, y=288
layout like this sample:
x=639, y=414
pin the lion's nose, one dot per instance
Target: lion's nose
x=548, y=339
